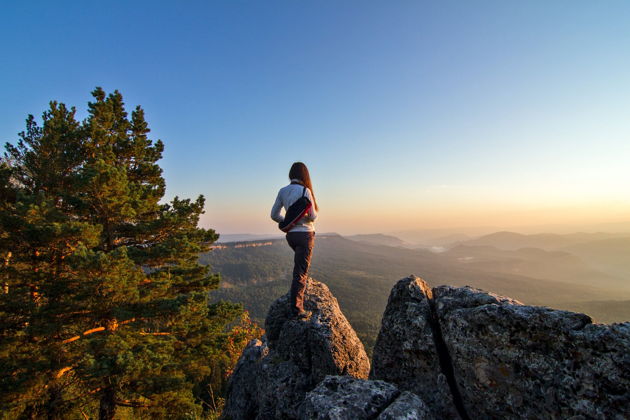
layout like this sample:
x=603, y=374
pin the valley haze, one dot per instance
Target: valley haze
x=584, y=272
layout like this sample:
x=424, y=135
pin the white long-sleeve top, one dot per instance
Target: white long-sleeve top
x=289, y=195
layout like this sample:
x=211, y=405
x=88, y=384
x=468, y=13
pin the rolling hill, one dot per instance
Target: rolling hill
x=546, y=241
x=612, y=255
x=378, y=239
x=538, y=263
x=361, y=275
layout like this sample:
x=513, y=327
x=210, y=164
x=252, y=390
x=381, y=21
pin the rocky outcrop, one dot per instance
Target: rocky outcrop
x=443, y=353
x=344, y=397
x=500, y=358
x=274, y=374
x=406, y=353
x=324, y=344
x=516, y=361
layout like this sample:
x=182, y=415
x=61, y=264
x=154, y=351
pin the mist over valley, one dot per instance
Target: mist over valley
x=583, y=272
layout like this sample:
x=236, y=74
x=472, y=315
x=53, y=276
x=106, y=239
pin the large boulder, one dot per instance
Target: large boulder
x=406, y=353
x=324, y=344
x=347, y=398
x=474, y=354
x=273, y=376
x=513, y=361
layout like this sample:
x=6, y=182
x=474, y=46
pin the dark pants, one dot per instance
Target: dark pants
x=302, y=243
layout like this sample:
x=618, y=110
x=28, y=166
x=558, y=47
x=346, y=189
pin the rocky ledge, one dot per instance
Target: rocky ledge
x=273, y=375
x=443, y=353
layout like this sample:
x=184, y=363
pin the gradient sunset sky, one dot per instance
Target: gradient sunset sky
x=409, y=114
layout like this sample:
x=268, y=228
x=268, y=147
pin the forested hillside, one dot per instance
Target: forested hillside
x=360, y=275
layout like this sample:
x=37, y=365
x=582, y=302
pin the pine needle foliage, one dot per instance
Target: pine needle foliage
x=104, y=306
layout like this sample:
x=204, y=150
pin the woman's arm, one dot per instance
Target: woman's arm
x=311, y=215
x=276, y=214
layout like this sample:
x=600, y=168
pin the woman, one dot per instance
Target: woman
x=301, y=237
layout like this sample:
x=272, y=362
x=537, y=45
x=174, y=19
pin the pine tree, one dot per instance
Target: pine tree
x=104, y=304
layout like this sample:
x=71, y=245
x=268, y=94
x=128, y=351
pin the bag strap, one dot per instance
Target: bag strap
x=304, y=191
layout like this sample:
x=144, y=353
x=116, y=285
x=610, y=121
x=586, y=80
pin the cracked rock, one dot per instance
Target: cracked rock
x=406, y=354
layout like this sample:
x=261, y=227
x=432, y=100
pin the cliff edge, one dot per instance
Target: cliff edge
x=443, y=353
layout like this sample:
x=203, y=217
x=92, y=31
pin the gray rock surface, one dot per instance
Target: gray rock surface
x=342, y=397
x=325, y=344
x=243, y=382
x=442, y=353
x=347, y=398
x=405, y=352
x=513, y=361
x=407, y=406
x=273, y=375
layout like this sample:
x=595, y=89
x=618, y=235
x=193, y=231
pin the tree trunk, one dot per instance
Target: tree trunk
x=107, y=408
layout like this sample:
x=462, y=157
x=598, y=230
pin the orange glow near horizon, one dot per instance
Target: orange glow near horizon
x=380, y=218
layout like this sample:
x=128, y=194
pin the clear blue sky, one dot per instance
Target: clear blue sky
x=408, y=113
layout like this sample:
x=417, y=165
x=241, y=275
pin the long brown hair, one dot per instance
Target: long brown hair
x=300, y=171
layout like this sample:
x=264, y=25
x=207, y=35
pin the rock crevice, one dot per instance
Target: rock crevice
x=446, y=363
x=407, y=352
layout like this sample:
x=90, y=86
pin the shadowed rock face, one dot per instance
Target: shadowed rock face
x=243, y=386
x=500, y=358
x=273, y=375
x=406, y=353
x=344, y=397
x=407, y=406
x=517, y=361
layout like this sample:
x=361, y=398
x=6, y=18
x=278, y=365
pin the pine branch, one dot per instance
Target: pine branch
x=113, y=326
x=62, y=371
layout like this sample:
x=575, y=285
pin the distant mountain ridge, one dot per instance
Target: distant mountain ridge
x=548, y=241
x=612, y=254
x=538, y=263
x=378, y=239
